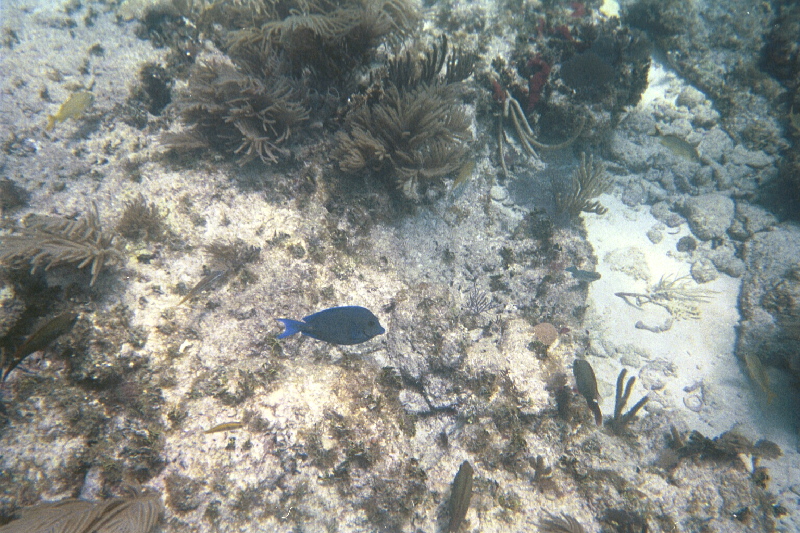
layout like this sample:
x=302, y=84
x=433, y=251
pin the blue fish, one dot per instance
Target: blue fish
x=338, y=325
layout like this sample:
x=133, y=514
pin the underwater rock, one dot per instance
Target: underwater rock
x=655, y=235
x=11, y=307
x=629, y=260
x=440, y=392
x=421, y=334
x=686, y=244
x=770, y=298
x=750, y=219
x=12, y=195
x=690, y=97
x=662, y=212
x=726, y=262
x=709, y=215
x=413, y=402
x=703, y=271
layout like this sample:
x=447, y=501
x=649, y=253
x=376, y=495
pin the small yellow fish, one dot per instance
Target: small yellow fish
x=464, y=174
x=679, y=147
x=73, y=107
x=759, y=374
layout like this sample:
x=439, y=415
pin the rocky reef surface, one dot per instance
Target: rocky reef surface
x=224, y=173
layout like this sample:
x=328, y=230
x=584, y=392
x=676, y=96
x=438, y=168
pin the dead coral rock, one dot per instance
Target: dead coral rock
x=526, y=370
x=709, y=215
x=770, y=298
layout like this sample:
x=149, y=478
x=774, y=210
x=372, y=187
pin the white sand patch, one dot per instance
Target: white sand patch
x=692, y=367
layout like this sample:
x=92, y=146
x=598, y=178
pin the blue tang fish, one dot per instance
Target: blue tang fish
x=338, y=325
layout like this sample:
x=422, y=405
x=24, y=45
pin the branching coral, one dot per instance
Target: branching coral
x=619, y=422
x=678, y=295
x=232, y=110
x=590, y=180
x=328, y=37
x=416, y=137
x=138, y=514
x=436, y=66
x=50, y=242
x=512, y=111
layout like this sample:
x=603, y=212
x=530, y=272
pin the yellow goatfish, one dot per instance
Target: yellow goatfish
x=73, y=107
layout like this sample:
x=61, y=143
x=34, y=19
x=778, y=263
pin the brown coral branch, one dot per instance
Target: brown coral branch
x=49, y=242
x=620, y=422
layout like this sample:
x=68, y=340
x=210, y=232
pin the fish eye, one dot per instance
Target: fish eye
x=371, y=323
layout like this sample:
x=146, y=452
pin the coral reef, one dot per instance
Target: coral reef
x=330, y=38
x=483, y=295
x=571, y=78
x=413, y=130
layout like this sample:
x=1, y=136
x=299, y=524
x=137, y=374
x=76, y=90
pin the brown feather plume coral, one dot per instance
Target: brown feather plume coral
x=329, y=37
x=49, y=242
x=131, y=515
x=577, y=195
x=417, y=137
x=250, y=115
x=560, y=524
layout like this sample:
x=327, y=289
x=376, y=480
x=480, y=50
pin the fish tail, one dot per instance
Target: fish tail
x=292, y=327
x=598, y=414
x=51, y=123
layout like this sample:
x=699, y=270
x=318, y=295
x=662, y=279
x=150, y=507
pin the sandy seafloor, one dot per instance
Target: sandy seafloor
x=331, y=439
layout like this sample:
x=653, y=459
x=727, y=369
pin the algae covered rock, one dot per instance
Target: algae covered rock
x=770, y=298
x=709, y=215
